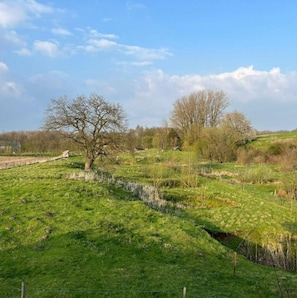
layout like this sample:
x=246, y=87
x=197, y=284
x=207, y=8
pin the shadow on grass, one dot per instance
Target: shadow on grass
x=84, y=264
x=119, y=263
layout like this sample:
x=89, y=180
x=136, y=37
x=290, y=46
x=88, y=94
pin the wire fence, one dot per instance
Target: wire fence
x=25, y=290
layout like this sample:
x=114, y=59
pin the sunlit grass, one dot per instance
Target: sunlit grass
x=237, y=198
x=75, y=238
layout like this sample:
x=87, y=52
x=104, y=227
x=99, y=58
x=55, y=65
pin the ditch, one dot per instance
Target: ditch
x=282, y=253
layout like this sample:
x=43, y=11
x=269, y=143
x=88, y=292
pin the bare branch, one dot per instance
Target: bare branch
x=91, y=122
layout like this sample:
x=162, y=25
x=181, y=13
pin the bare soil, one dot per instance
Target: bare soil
x=15, y=161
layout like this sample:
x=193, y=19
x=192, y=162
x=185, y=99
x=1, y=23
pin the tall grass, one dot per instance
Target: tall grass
x=260, y=174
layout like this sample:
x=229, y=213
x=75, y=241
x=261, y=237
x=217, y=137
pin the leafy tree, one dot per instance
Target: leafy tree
x=211, y=145
x=173, y=138
x=221, y=143
x=91, y=122
x=237, y=128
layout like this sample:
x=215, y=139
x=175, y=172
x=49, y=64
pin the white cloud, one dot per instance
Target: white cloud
x=96, y=42
x=37, y=8
x=61, y=31
x=95, y=34
x=144, y=56
x=101, y=44
x=14, y=13
x=103, y=87
x=266, y=97
x=245, y=84
x=130, y=5
x=136, y=63
x=3, y=67
x=106, y=20
x=51, y=84
x=23, y=100
x=8, y=87
x=13, y=38
x=11, y=14
x=144, y=53
x=24, y=52
x=94, y=45
x=49, y=48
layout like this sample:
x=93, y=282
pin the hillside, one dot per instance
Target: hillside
x=67, y=237
x=264, y=141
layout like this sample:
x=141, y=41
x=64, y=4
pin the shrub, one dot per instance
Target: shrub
x=288, y=160
x=260, y=174
x=250, y=156
x=275, y=149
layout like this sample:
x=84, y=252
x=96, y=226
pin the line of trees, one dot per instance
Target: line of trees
x=38, y=141
x=197, y=122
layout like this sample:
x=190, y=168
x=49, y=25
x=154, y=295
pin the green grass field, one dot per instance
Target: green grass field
x=265, y=141
x=67, y=237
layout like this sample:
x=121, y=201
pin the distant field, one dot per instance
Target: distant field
x=15, y=161
x=266, y=140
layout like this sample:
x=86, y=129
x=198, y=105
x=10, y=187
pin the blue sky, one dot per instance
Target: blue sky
x=146, y=54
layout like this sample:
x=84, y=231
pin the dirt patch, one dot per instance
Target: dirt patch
x=7, y=162
x=15, y=161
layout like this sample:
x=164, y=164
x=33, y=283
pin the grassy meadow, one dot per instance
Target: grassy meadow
x=68, y=234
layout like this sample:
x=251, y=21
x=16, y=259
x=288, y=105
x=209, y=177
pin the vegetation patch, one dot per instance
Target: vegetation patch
x=71, y=233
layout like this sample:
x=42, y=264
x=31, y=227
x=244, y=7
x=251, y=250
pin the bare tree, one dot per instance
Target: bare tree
x=198, y=110
x=91, y=122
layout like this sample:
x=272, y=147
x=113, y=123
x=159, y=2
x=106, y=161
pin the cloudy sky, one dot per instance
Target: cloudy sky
x=145, y=54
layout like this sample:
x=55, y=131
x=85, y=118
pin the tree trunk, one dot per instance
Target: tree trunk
x=88, y=164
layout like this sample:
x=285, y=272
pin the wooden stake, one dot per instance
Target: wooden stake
x=234, y=263
x=23, y=293
x=184, y=292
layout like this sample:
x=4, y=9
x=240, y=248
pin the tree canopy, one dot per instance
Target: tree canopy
x=91, y=122
x=198, y=110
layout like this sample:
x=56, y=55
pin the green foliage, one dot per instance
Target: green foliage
x=257, y=174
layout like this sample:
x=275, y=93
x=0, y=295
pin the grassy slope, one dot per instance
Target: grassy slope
x=104, y=243
x=265, y=141
x=224, y=200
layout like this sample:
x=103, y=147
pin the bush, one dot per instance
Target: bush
x=288, y=161
x=275, y=149
x=260, y=174
x=250, y=156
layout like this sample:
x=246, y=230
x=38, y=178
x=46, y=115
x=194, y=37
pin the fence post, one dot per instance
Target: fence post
x=23, y=292
x=234, y=263
x=184, y=292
